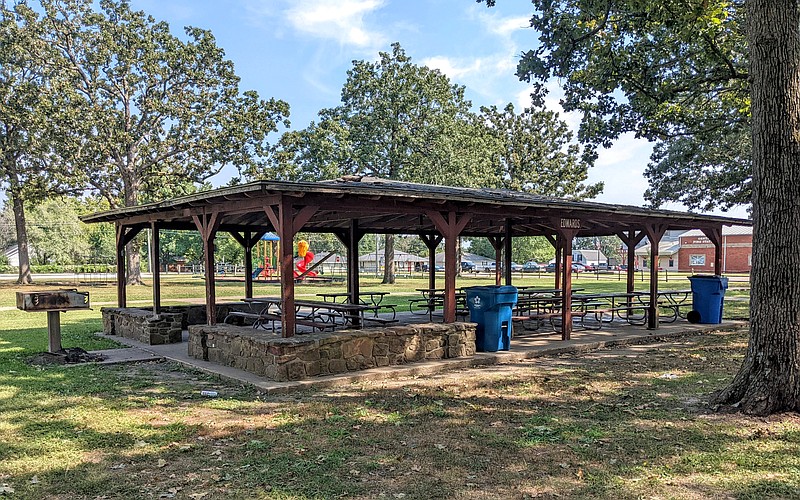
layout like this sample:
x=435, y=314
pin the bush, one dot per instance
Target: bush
x=5, y=267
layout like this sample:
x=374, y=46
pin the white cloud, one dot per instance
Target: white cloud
x=505, y=26
x=343, y=21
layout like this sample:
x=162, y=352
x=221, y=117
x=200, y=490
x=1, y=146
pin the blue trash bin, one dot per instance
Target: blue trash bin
x=708, y=294
x=490, y=307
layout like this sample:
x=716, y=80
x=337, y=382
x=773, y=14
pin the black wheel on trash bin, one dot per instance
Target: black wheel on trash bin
x=693, y=317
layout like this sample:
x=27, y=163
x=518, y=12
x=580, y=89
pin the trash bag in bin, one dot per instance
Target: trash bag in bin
x=708, y=294
x=490, y=307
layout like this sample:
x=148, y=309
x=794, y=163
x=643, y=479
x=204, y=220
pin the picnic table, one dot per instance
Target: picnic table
x=671, y=300
x=318, y=315
x=375, y=299
x=431, y=300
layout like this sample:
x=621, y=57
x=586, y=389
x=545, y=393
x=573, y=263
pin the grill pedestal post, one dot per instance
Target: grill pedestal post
x=54, y=331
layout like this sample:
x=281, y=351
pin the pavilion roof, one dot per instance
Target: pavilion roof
x=385, y=206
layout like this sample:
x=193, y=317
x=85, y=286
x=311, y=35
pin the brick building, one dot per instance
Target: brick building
x=697, y=252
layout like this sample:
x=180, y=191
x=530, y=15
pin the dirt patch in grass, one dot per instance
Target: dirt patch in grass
x=632, y=422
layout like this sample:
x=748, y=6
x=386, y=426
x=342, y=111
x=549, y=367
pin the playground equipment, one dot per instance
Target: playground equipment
x=266, y=253
x=306, y=257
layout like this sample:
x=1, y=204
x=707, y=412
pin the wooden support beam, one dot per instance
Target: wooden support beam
x=631, y=239
x=654, y=234
x=155, y=258
x=450, y=228
x=431, y=242
x=284, y=226
x=559, y=270
x=507, y=251
x=566, y=289
x=354, y=235
x=287, y=224
x=497, y=243
x=121, y=268
x=207, y=225
x=566, y=229
x=124, y=235
x=715, y=235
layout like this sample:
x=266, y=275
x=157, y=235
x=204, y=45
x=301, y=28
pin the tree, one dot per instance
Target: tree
x=536, y=154
x=56, y=234
x=33, y=117
x=608, y=246
x=154, y=109
x=397, y=121
x=697, y=54
x=672, y=71
x=523, y=249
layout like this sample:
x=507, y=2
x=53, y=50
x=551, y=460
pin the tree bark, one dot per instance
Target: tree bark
x=25, y=277
x=132, y=256
x=388, y=259
x=769, y=379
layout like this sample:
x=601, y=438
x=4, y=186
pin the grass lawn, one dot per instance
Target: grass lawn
x=624, y=423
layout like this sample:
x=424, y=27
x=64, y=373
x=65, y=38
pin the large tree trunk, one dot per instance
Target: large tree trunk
x=25, y=277
x=769, y=378
x=388, y=259
x=132, y=257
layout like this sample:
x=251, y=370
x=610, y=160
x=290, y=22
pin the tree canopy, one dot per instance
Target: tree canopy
x=674, y=72
x=153, y=109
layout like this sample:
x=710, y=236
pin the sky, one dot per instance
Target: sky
x=300, y=51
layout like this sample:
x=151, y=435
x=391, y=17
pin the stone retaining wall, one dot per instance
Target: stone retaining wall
x=138, y=323
x=317, y=354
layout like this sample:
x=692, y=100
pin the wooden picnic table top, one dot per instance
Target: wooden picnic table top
x=318, y=304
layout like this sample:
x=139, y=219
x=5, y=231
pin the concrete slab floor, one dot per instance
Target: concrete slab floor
x=525, y=345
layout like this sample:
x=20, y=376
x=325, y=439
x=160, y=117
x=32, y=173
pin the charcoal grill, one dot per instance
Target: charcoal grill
x=54, y=302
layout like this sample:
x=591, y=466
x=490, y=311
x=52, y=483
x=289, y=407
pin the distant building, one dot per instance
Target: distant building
x=479, y=261
x=667, y=255
x=697, y=251
x=694, y=252
x=12, y=254
x=403, y=261
x=592, y=257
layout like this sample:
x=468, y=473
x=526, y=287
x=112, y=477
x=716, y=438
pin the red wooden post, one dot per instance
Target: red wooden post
x=559, y=270
x=715, y=235
x=353, y=283
x=566, y=289
x=497, y=243
x=155, y=258
x=507, y=251
x=287, y=224
x=207, y=224
x=631, y=239
x=450, y=228
x=124, y=236
x=654, y=233
x=121, y=274
x=431, y=242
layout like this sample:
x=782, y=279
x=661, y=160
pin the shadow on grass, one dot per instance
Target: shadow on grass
x=589, y=427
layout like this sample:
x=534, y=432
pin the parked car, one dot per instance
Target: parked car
x=551, y=267
x=532, y=267
x=491, y=267
x=578, y=268
x=517, y=268
x=587, y=267
x=467, y=267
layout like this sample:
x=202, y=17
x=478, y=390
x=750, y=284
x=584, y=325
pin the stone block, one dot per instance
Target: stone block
x=313, y=368
x=381, y=361
x=337, y=366
x=296, y=370
x=435, y=354
x=380, y=349
x=432, y=344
